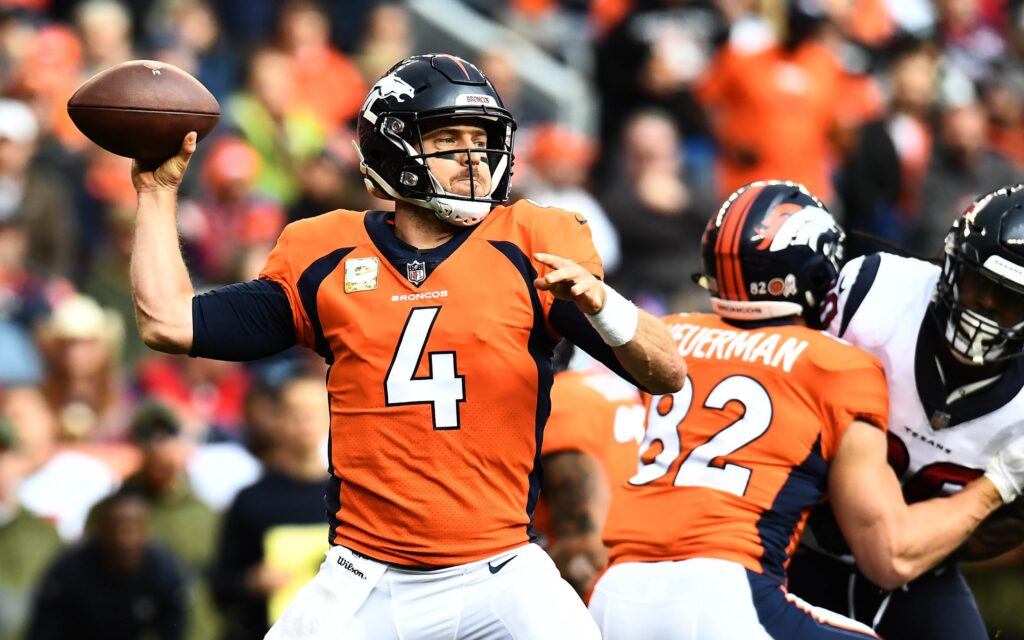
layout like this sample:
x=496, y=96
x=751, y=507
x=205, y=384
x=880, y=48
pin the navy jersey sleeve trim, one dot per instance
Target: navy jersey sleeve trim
x=865, y=278
x=309, y=287
x=570, y=322
x=243, y=321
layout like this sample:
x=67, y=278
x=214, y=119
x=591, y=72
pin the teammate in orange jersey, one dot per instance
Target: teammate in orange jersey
x=774, y=414
x=438, y=321
x=590, y=449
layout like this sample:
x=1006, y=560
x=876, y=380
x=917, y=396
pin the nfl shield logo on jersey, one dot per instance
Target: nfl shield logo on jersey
x=416, y=271
x=940, y=419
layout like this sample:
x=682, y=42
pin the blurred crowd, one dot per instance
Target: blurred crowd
x=156, y=476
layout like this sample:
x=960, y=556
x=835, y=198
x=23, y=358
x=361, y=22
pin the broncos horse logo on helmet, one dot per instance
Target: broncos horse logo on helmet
x=411, y=99
x=772, y=250
x=389, y=86
x=773, y=221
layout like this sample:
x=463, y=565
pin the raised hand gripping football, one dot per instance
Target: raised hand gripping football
x=570, y=281
x=167, y=175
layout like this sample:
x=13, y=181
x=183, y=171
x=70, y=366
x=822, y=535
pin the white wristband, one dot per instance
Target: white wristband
x=617, y=320
x=1006, y=470
x=1007, y=491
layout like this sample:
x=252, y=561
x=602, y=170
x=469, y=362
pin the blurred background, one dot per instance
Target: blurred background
x=154, y=473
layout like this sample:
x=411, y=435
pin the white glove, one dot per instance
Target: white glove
x=1006, y=470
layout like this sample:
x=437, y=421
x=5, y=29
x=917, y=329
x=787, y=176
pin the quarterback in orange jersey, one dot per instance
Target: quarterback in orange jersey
x=590, y=449
x=775, y=414
x=438, y=321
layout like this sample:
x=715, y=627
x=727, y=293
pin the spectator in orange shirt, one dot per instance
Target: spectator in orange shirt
x=325, y=80
x=229, y=232
x=773, y=109
x=49, y=71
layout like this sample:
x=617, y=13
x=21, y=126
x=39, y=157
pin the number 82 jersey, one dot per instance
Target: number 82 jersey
x=732, y=464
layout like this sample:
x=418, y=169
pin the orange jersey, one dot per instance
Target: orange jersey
x=732, y=464
x=598, y=413
x=438, y=392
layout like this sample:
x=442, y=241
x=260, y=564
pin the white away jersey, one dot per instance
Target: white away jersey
x=936, y=444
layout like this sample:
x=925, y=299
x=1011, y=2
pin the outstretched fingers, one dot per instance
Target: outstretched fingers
x=562, y=271
x=570, y=281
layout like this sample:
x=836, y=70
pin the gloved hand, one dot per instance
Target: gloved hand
x=1006, y=470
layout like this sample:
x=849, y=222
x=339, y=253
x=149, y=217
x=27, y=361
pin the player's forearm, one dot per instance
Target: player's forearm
x=161, y=287
x=576, y=489
x=928, y=532
x=651, y=357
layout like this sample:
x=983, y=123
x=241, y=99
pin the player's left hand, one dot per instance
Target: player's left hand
x=570, y=281
x=580, y=559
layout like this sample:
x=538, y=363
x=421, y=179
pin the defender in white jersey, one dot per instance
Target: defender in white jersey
x=950, y=340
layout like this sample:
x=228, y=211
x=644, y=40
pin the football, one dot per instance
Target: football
x=142, y=109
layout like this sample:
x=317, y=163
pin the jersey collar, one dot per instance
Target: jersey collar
x=406, y=259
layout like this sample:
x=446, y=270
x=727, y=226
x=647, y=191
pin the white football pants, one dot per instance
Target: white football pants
x=707, y=599
x=516, y=595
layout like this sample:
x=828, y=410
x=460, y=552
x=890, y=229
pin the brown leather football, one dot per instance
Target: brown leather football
x=142, y=109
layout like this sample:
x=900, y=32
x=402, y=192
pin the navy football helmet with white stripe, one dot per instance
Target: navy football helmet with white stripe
x=413, y=98
x=772, y=250
x=979, y=301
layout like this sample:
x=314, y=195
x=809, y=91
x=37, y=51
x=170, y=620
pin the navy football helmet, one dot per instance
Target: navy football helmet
x=979, y=299
x=414, y=97
x=772, y=250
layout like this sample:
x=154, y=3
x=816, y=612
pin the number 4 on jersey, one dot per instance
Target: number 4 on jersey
x=443, y=389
